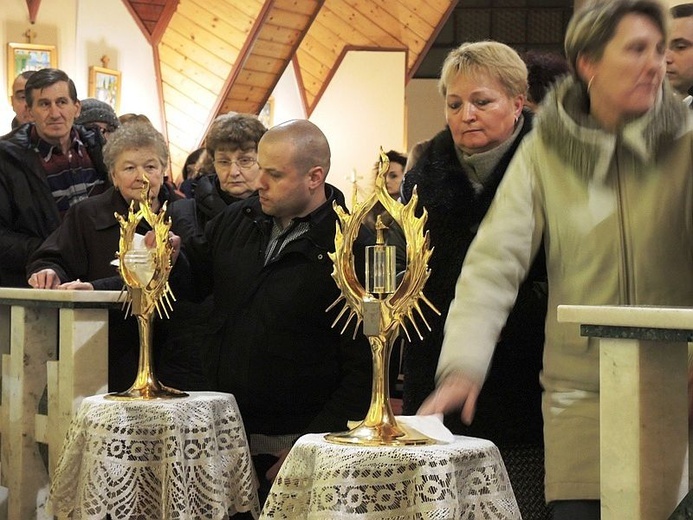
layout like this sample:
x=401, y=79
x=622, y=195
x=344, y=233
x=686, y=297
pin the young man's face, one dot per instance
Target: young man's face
x=54, y=112
x=285, y=191
x=680, y=55
x=18, y=99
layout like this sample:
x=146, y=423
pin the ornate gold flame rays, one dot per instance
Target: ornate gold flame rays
x=154, y=293
x=406, y=299
x=145, y=272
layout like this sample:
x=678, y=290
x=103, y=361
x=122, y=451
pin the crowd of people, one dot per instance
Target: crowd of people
x=555, y=181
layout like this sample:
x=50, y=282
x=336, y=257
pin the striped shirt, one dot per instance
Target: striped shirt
x=72, y=176
x=279, y=237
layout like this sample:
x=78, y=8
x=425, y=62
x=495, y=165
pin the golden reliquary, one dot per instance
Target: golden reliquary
x=382, y=306
x=145, y=272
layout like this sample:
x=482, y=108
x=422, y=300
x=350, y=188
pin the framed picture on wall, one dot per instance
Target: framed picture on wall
x=22, y=57
x=266, y=115
x=104, y=84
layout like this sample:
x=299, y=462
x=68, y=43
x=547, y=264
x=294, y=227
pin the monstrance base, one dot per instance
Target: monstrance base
x=143, y=393
x=380, y=435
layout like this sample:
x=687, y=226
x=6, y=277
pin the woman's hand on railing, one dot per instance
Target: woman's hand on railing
x=76, y=285
x=44, y=279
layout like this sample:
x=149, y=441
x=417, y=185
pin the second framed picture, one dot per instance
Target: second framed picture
x=104, y=84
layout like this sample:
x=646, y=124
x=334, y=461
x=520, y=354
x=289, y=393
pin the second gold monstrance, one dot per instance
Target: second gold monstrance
x=145, y=272
x=382, y=306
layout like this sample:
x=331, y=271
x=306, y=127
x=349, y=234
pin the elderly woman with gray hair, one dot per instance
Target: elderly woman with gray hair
x=457, y=173
x=605, y=180
x=79, y=254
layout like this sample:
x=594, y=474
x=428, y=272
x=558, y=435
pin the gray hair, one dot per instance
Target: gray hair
x=592, y=27
x=131, y=136
x=494, y=58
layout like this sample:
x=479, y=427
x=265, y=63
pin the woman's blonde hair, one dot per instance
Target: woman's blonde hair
x=592, y=27
x=493, y=58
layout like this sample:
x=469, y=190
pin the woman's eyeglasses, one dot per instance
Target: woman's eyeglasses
x=243, y=163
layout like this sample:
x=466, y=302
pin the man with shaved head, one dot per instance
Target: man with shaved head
x=271, y=343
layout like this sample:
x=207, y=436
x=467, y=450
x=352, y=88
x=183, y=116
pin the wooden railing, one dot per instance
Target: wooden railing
x=54, y=347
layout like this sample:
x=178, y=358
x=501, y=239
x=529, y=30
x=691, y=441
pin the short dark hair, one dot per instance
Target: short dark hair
x=396, y=157
x=543, y=69
x=26, y=74
x=234, y=132
x=45, y=78
x=681, y=11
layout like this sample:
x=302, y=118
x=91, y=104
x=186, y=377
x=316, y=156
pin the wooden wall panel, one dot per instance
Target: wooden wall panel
x=214, y=79
x=217, y=56
x=204, y=93
x=198, y=53
x=218, y=17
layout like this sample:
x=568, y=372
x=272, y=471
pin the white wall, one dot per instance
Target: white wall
x=361, y=110
x=83, y=31
x=106, y=27
x=14, y=21
x=287, y=98
x=425, y=109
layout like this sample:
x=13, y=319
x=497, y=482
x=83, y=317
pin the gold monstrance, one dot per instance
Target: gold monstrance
x=382, y=306
x=145, y=273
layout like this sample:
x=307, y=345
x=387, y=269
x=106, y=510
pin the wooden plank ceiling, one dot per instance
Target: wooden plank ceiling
x=228, y=55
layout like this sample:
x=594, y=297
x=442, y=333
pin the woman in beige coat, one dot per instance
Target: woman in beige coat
x=606, y=179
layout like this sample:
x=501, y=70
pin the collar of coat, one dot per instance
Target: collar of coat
x=566, y=127
x=322, y=220
x=443, y=186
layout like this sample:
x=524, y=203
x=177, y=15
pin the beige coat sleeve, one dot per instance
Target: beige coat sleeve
x=495, y=266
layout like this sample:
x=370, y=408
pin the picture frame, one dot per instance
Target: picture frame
x=104, y=85
x=266, y=115
x=22, y=57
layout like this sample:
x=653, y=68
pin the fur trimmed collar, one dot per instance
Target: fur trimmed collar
x=443, y=186
x=567, y=129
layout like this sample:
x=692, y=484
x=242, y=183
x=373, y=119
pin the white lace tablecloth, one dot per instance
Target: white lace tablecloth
x=184, y=458
x=465, y=479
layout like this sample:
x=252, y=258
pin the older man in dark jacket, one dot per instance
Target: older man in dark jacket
x=272, y=343
x=45, y=167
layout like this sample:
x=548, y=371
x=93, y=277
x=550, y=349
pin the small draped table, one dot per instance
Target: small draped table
x=184, y=458
x=463, y=479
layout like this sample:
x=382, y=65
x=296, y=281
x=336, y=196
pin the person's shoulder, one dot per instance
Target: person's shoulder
x=103, y=202
x=17, y=139
x=182, y=204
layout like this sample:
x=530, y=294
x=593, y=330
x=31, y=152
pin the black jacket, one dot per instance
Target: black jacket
x=28, y=213
x=190, y=216
x=509, y=407
x=271, y=342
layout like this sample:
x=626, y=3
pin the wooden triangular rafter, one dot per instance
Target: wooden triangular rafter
x=33, y=6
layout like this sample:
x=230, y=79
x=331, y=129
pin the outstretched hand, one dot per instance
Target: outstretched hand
x=454, y=392
x=174, y=240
